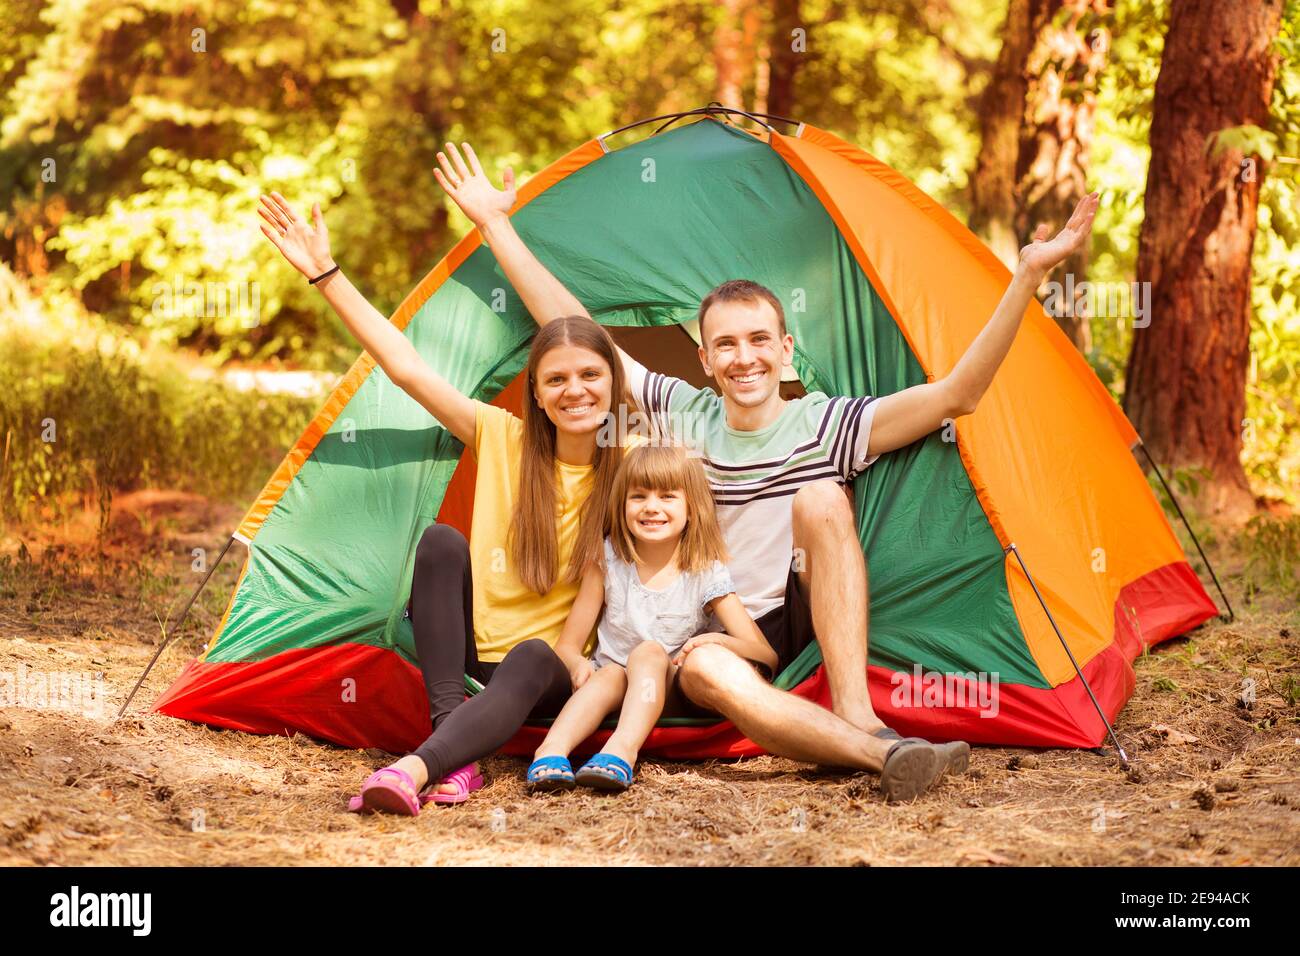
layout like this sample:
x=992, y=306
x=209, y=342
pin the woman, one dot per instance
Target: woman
x=492, y=607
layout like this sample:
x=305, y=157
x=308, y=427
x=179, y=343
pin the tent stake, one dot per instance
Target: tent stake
x=1199, y=550
x=1123, y=757
x=167, y=640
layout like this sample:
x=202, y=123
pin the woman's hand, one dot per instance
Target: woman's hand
x=307, y=247
x=699, y=640
x=470, y=188
x=581, y=673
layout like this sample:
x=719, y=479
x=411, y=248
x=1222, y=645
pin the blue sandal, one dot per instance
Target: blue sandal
x=560, y=776
x=605, y=772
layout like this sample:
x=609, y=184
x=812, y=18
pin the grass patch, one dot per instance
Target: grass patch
x=89, y=423
x=1272, y=550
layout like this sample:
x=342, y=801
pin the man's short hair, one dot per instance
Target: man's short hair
x=741, y=290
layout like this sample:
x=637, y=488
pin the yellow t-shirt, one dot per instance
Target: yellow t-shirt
x=506, y=612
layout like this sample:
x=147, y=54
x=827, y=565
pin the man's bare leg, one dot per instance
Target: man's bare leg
x=777, y=721
x=833, y=576
x=793, y=727
x=790, y=726
x=832, y=573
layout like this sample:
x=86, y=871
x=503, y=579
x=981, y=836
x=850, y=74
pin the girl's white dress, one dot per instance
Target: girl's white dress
x=635, y=613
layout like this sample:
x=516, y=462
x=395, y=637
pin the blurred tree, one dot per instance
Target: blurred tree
x=21, y=33
x=157, y=122
x=1036, y=122
x=735, y=49
x=1271, y=435
x=1001, y=114
x=30, y=220
x=1056, y=137
x=901, y=78
x=1186, y=380
x=788, y=43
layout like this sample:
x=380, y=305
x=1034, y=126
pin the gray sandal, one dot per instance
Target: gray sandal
x=911, y=766
x=954, y=756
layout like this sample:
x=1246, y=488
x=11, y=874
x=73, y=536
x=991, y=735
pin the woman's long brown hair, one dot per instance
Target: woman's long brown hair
x=534, y=544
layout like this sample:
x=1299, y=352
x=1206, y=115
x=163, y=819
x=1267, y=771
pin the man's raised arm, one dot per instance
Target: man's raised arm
x=915, y=412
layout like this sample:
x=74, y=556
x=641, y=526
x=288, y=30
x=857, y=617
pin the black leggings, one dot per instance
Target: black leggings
x=530, y=681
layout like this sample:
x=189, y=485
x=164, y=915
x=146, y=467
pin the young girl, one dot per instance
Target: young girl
x=660, y=578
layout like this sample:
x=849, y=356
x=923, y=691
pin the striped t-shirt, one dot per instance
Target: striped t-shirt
x=755, y=474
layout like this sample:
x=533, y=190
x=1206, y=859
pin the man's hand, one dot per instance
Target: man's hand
x=915, y=412
x=581, y=673
x=699, y=640
x=1043, y=255
x=470, y=188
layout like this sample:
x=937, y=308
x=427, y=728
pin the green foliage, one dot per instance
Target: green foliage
x=21, y=34
x=902, y=80
x=163, y=120
x=1272, y=549
x=1186, y=484
x=1248, y=139
x=1272, y=427
x=1120, y=156
x=90, y=422
x=1291, y=690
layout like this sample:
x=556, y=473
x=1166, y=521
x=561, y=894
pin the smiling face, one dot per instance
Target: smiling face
x=744, y=351
x=573, y=386
x=655, y=516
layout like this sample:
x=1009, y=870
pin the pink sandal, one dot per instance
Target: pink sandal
x=466, y=781
x=393, y=791
x=388, y=789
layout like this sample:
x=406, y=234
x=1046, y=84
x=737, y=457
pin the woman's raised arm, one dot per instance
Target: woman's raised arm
x=307, y=248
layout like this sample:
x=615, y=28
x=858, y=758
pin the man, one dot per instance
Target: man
x=778, y=471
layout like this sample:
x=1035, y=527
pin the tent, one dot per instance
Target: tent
x=884, y=289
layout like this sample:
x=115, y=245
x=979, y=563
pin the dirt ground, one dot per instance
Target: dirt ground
x=1213, y=782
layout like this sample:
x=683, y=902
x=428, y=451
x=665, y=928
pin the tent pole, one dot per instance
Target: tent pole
x=1199, y=550
x=709, y=110
x=167, y=640
x=1123, y=757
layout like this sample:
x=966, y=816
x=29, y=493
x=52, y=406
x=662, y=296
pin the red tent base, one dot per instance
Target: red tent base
x=361, y=696
x=307, y=699
x=353, y=695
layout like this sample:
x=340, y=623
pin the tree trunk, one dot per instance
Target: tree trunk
x=734, y=43
x=1002, y=110
x=1185, y=386
x=1056, y=137
x=788, y=51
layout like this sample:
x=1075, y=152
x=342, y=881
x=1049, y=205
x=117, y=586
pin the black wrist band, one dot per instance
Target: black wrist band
x=322, y=276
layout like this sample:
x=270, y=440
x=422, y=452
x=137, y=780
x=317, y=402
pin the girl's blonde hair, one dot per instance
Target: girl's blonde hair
x=668, y=468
